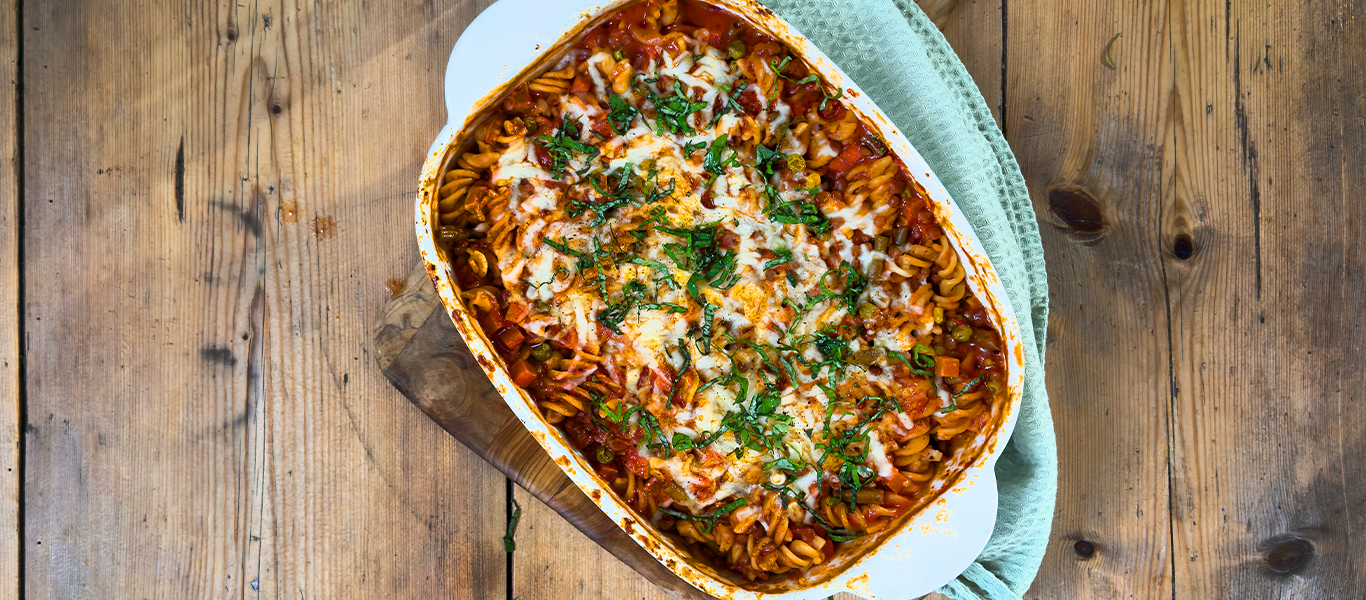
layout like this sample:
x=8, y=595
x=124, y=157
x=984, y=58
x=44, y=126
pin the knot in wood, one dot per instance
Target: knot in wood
x=1084, y=549
x=1183, y=247
x=1076, y=208
x=1287, y=554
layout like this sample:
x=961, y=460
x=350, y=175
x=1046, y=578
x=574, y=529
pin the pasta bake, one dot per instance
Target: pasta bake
x=714, y=277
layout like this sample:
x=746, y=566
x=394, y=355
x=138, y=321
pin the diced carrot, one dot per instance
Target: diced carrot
x=945, y=366
x=608, y=473
x=522, y=373
x=849, y=156
x=581, y=84
x=897, y=481
x=512, y=337
x=492, y=320
x=517, y=312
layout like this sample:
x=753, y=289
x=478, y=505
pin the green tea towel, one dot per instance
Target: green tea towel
x=893, y=51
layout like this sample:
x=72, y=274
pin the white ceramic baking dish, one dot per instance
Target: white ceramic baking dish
x=514, y=39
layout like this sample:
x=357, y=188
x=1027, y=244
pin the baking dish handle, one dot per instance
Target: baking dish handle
x=947, y=542
x=507, y=34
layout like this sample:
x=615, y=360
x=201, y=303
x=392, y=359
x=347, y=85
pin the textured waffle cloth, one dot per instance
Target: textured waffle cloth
x=893, y=51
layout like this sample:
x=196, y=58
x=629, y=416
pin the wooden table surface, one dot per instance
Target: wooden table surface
x=205, y=201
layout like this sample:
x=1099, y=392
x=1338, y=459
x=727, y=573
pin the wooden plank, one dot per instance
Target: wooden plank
x=216, y=195
x=555, y=560
x=421, y=353
x=1090, y=142
x=10, y=401
x=1262, y=233
x=974, y=28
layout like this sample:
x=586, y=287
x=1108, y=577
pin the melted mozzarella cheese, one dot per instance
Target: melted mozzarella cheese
x=877, y=455
x=571, y=290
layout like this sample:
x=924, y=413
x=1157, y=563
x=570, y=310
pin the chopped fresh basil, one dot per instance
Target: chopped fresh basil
x=687, y=364
x=682, y=442
x=709, y=519
x=778, y=68
x=731, y=104
x=828, y=97
x=509, y=539
x=691, y=147
x=621, y=115
x=713, y=163
x=782, y=257
x=671, y=113
x=705, y=327
x=765, y=160
x=563, y=146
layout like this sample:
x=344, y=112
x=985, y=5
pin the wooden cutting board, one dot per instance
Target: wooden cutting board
x=424, y=357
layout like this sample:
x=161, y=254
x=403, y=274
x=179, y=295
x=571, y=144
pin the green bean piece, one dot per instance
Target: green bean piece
x=902, y=236
x=869, y=497
x=875, y=267
x=881, y=243
x=453, y=234
x=865, y=357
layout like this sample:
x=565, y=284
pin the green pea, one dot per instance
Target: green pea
x=736, y=49
x=541, y=353
x=993, y=387
x=962, y=333
x=617, y=55
x=605, y=455
x=867, y=311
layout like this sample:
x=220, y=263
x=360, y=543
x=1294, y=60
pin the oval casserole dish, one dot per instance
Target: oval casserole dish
x=514, y=40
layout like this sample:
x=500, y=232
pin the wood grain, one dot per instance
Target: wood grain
x=214, y=194
x=555, y=560
x=1201, y=195
x=975, y=29
x=10, y=401
x=214, y=197
x=422, y=354
x=1267, y=168
x=1090, y=142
